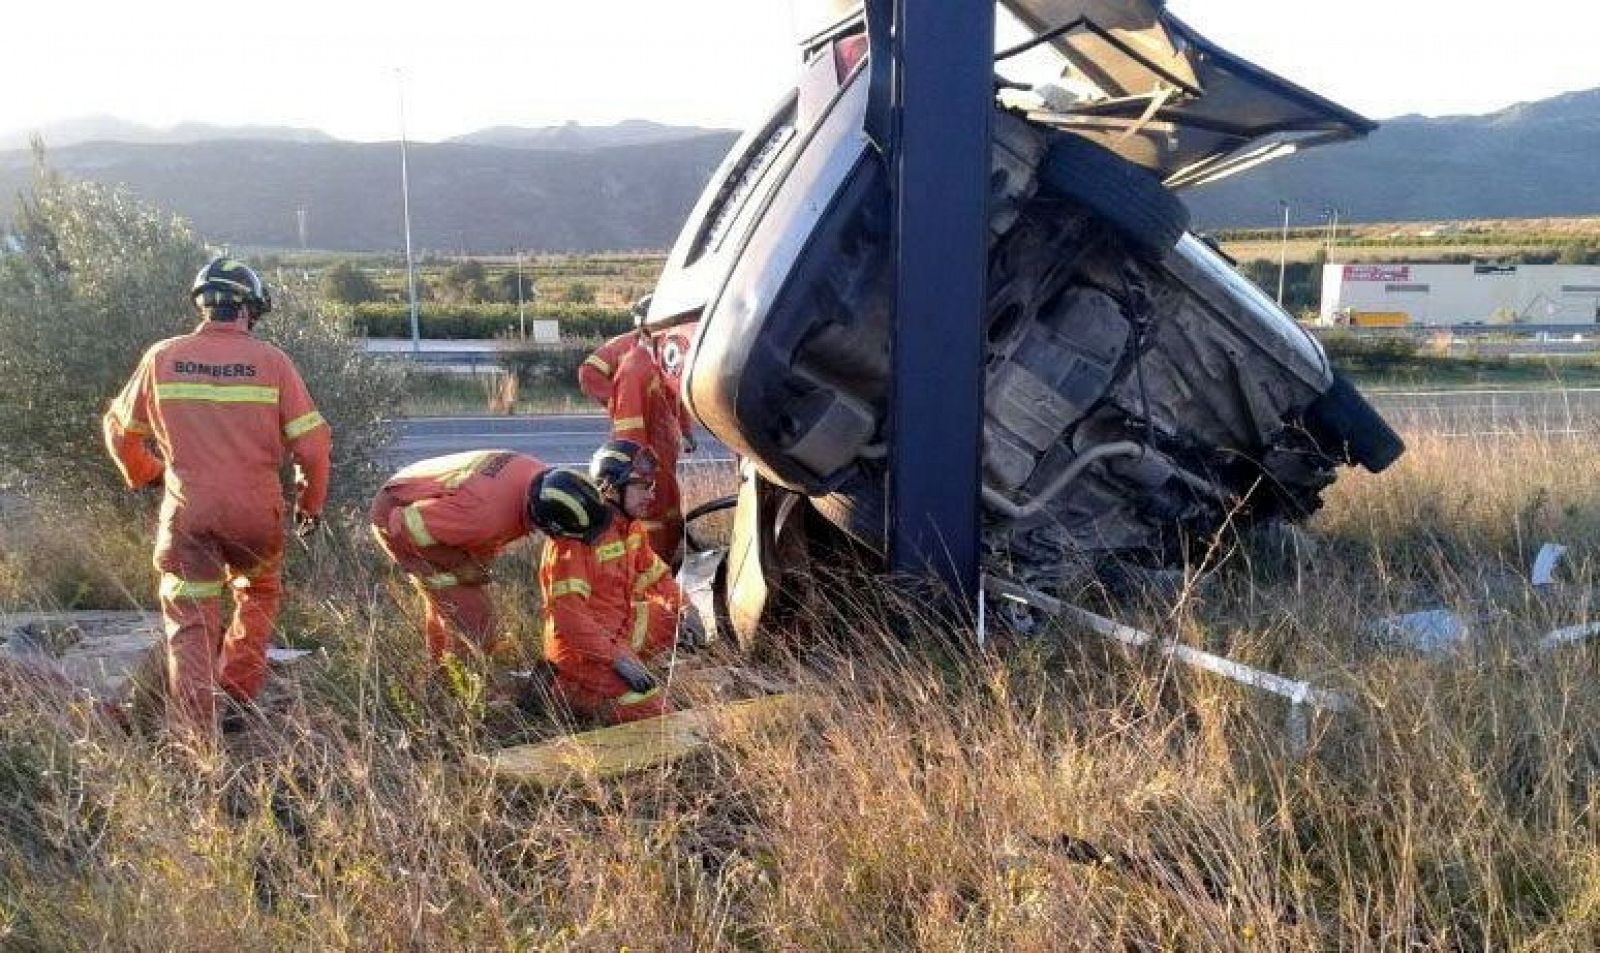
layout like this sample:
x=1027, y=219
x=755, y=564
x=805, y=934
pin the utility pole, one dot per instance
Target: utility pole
x=522, y=319
x=943, y=78
x=300, y=225
x=405, y=203
x=1283, y=248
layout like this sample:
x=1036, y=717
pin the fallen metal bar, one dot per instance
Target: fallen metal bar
x=1567, y=636
x=1301, y=695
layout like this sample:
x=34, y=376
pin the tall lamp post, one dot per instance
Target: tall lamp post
x=1283, y=249
x=522, y=321
x=405, y=204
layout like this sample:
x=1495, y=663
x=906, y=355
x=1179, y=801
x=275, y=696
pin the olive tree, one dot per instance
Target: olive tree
x=89, y=278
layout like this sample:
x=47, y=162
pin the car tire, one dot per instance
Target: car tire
x=1342, y=418
x=856, y=508
x=1125, y=196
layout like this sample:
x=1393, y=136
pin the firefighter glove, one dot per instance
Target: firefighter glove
x=634, y=674
x=691, y=630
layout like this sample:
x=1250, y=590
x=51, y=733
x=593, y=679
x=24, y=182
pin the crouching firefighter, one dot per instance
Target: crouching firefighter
x=611, y=604
x=221, y=408
x=444, y=520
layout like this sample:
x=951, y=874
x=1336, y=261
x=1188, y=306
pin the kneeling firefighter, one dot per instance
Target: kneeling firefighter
x=611, y=604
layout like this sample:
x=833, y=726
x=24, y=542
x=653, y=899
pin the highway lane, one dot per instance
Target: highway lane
x=569, y=439
x=560, y=439
x=1488, y=412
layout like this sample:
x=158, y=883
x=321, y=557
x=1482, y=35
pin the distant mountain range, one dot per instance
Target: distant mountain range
x=1531, y=160
x=568, y=194
x=629, y=186
x=71, y=132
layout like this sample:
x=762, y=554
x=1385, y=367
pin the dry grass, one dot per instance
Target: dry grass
x=1052, y=796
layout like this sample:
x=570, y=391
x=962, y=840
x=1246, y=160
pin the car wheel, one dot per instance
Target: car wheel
x=1125, y=196
x=1342, y=418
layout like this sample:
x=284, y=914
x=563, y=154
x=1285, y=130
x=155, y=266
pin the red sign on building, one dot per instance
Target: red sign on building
x=1377, y=272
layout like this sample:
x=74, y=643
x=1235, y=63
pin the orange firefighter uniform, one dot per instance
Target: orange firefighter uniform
x=644, y=408
x=221, y=408
x=444, y=521
x=598, y=369
x=612, y=599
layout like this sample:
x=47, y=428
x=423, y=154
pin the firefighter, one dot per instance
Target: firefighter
x=611, y=604
x=645, y=408
x=597, y=370
x=445, y=520
x=221, y=409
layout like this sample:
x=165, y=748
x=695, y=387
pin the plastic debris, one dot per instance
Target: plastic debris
x=1430, y=631
x=1544, y=564
x=1567, y=636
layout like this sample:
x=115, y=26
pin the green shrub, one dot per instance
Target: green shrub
x=100, y=277
x=344, y=283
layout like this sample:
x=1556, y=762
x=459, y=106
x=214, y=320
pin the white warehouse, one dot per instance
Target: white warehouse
x=1363, y=293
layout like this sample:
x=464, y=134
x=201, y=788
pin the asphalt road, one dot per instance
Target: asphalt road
x=569, y=439
x=562, y=440
x=1483, y=412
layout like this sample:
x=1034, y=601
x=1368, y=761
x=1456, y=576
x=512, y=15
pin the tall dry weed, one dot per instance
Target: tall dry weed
x=1053, y=795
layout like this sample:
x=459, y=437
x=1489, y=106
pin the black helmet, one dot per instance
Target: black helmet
x=618, y=462
x=564, y=503
x=228, y=283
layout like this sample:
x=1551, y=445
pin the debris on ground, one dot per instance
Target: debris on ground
x=636, y=746
x=1428, y=631
x=1546, y=563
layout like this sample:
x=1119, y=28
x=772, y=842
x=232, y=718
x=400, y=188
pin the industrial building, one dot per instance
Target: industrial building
x=1379, y=295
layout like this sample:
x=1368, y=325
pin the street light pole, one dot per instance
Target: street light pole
x=1283, y=249
x=405, y=203
x=522, y=321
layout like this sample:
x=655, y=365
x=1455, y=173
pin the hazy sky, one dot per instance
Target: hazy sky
x=470, y=63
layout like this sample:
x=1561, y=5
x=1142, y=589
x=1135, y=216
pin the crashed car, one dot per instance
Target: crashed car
x=1139, y=393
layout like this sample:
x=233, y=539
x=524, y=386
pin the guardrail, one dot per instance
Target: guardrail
x=1461, y=330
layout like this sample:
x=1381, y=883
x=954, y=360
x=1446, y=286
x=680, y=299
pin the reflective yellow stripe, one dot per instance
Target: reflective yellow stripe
x=135, y=427
x=176, y=587
x=218, y=393
x=598, y=363
x=651, y=524
x=634, y=698
x=453, y=469
x=641, y=623
x=629, y=423
x=648, y=578
x=570, y=502
x=439, y=580
x=303, y=425
x=634, y=542
x=415, y=526
x=610, y=551
x=569, y=587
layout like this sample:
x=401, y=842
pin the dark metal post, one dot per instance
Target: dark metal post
x=944, y=79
